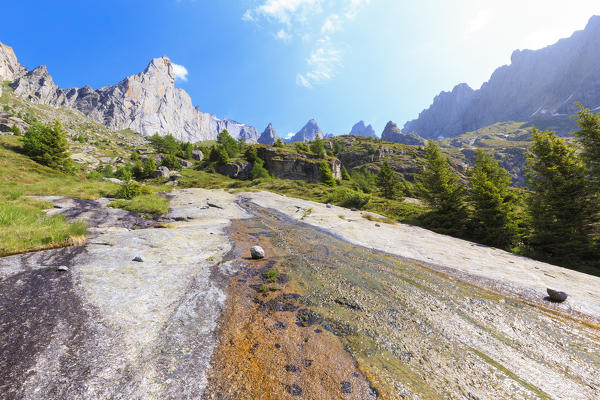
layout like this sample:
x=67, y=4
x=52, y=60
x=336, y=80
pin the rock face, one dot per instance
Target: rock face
x=537, y=85
x=289, y=165
x=10, y=69
x=309, y=132
x=236, y=170
x=391, y=133
x=361, y=130
x=269, y=136
x=146, y=103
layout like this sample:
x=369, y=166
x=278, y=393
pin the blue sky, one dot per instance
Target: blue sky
x=286, y=61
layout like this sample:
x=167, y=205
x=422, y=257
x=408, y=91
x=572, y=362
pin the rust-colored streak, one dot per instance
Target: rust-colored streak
x=264, y=354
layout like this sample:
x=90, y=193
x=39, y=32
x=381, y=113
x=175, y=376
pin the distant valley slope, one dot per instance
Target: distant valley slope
x=146, y=103
x=538, y=85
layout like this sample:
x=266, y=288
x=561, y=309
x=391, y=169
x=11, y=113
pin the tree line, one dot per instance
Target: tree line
x=554, y=219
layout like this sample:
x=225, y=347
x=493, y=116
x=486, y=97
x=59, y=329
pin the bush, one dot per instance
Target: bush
x=129, y=190
x=228, y=143
x=251, y=154
x=47, y=144
x=345, y=174
x=16, y=130
x=171, y=162
x=124, y=173
x=301, y=147
x=219, y=155
x=278, y=143
x=364, y=180
x=349, y=198
x=166, y=145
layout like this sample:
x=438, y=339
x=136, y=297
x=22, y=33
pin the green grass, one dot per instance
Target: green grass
x=24, y=227
x=144, y=204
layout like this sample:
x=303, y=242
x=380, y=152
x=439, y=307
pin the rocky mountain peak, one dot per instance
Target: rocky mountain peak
x=10, y=69
x=161, y=66
x=538, y=84
x=146, y=103
x=361, y=129
x=309, y=132
x=392, y=133
x=269, y=136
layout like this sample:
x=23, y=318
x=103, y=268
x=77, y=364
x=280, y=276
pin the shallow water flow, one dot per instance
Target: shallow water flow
x=416, y=332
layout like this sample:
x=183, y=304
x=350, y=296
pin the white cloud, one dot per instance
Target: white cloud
x=323, y=64
x=290, y=135
x=283, y=35
x=313, y=22
x=180, y=71
x=284, y=11
x=302, y=81
x=332, y=24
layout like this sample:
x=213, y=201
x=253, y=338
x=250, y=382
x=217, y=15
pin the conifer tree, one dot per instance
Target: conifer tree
x=559, y=206
x=589, y=137
x=47, y=144
x=317, y=147
x=325, y=174
x=493, y=219
x=386, y=182
x=439, y=186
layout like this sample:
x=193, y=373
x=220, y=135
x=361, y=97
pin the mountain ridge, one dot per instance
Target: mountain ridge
x=147, y=102
x=537, y=85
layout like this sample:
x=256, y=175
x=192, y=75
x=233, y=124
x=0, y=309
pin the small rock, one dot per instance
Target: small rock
x=292, y=368
x=213, y=205
x=162, y=172
x=197, y=155
x=257, y=252
x=186, y=164
x=556, y=295
x=62, y=268
x=328, y=205
x=377, y=225
x=138, y=259
x=346, y=387
x=294, y=390
x=113, y=180
x=353, y=209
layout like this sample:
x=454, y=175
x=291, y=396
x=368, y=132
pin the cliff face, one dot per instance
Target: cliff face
x=289, y=165
x=537, y=85
x=146, y=103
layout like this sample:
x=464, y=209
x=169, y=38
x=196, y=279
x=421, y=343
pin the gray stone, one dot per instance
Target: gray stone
x=556, y=296
x=162, y=172
x=197, y=155
x=62, y=268
x=113, y=180
x=138, y=259
x=257, y=252
x=186, y=163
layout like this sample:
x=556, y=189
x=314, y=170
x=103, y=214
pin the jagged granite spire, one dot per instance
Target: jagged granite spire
x=309, y=132
x=269, y=136
x=361, y=130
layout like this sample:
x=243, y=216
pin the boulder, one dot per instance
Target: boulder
x=186, y=164
x=113, y=180
x=162, y=172
x=235, y=170
x=257, y=252
x=197, y=155
x=556, y=296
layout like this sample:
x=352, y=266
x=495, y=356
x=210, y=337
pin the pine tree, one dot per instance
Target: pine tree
x=439, y=186
x=47, y=144
x=493, y=219
x=228, y=143
x=589, y=137
x=559, y=205
x=325, y=174
x=317, y=147
x=386, y=182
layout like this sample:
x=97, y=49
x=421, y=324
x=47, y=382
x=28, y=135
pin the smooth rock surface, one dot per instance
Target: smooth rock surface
x=257, y=252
